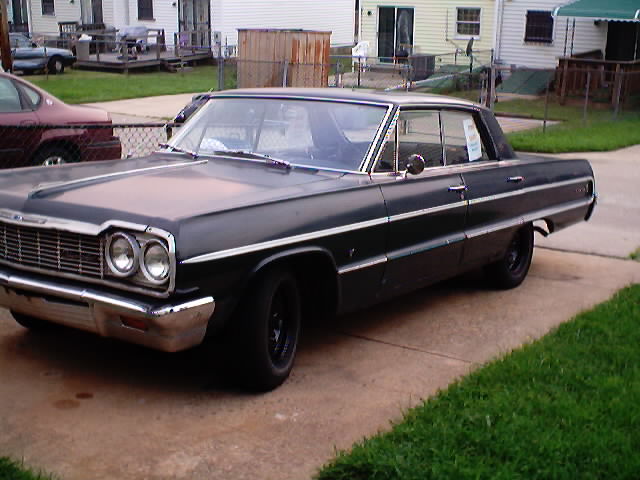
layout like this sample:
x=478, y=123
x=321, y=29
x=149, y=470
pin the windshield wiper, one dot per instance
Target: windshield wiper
x=179, y=150
x=276, y=162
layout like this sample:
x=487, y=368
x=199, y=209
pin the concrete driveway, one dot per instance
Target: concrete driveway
x=83, y=407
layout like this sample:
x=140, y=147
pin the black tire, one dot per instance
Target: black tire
x=29, y=322
x=265, y=332
x=55, y=66
x=53, y=155
x=511, y=270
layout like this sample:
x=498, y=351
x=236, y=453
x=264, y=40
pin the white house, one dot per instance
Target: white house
x=224, y=16
x=528, y=34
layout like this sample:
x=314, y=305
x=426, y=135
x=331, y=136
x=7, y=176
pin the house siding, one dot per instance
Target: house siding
x=48, y=24
x=337, y=16
x=434, y=24
x=512, y=49
x=165, y=16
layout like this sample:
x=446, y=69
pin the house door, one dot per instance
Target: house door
x=195, y=23
x=17, y=13
x=395, y=32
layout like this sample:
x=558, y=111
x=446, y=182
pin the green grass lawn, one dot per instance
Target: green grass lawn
x=565, y=407
x=10, y=470
x=599, y=133
x=81, y=86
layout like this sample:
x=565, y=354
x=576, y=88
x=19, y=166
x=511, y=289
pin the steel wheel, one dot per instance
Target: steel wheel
x=511, y=270
x=53, y=160
x=265, y=331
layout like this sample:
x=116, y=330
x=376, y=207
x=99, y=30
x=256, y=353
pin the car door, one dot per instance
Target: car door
x=492, y=190
x=426, y=211
x=16, y=115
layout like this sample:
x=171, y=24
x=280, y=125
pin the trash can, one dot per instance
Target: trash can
x=82, y=47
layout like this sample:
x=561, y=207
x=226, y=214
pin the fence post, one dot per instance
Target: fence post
x=285, y=71
x=359, y=71
x=97, y=49
x=339, y=74
x=125, y=56
x=586, y=98
x=221, y=84
x=617, y=90
x=492, y=85
x=546, y=108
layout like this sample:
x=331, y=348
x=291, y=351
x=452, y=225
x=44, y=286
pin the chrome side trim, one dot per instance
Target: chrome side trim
x=427, y=211
x=284, y=241
x=359, y=266
x=537, y=215
x=379, y=221
x=50, y=187
x=426, y=246
x=523, y=191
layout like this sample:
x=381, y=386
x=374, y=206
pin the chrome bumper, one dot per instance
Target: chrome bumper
x=166, y=327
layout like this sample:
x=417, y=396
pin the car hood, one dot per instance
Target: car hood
x=159, y=190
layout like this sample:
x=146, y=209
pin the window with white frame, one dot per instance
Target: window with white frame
x=48, y=7
x=539, y=26
x=468, y=21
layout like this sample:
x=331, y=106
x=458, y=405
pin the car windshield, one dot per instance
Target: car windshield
x=317, y=133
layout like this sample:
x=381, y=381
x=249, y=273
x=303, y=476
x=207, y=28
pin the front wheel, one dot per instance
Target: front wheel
x=266, y=330
x=55, y=66
x=511, y=270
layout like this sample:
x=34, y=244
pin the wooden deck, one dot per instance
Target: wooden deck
x=149, y=59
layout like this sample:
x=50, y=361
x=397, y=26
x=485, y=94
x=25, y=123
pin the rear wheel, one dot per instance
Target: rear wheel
x=511, y=270
x=54, y=155
x=27, y=321
x=55, y=66
x=266, y=330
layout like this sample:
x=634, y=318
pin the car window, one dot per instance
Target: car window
x=325, y=134
x=18, y=41
x=463, y=142
x=34, y=96
x=9, y=97
x=418, y=133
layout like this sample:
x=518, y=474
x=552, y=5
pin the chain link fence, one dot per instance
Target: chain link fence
x=28, y=145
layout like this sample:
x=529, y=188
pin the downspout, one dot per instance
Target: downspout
x=360, y=21
x=498, y=23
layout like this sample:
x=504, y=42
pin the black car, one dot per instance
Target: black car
x=273, y=205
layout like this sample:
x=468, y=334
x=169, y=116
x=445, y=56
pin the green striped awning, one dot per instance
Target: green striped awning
x=611, y=10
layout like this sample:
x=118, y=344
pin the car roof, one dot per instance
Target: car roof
x=389, y=97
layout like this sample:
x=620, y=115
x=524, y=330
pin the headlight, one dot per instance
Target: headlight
x=123, y=253
x=155, y=262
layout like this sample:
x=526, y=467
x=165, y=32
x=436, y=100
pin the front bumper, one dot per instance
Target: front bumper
x=168, y=327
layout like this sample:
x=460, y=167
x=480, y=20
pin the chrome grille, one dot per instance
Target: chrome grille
x=52, y=250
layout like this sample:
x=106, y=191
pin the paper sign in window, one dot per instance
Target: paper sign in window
x=474, y=144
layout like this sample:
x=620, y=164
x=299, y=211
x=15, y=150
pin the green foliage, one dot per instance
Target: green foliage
x=635, y=255
x=10, y=470
x=573, y=137
x=80, y=86
x=564, y=407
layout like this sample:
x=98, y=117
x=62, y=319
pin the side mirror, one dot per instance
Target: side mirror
x=415, y=164
x=34, y=45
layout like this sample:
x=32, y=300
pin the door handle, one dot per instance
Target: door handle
x=516, y=179
x=457, y=188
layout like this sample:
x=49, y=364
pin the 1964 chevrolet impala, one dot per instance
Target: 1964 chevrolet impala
x=273, y=205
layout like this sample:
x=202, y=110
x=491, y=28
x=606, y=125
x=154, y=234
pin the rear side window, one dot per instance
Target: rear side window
x=9, y=97
x=462, y=139
x=34, y=97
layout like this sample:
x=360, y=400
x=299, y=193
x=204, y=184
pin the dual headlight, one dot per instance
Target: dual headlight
x=128, y=255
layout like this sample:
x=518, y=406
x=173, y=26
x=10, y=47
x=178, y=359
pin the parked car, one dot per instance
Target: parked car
x=273, y=205
x=29, y=57
x=38, y=129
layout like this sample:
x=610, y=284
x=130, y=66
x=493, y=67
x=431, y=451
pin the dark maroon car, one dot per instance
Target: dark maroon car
x=38, y=129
